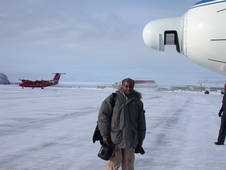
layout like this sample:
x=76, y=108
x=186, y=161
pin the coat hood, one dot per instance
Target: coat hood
x=134, y=94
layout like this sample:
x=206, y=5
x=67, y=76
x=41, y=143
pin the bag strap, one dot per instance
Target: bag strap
x=113, y=99
x=112, y=102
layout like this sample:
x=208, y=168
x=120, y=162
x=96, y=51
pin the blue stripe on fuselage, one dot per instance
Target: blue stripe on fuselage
x=205, y=3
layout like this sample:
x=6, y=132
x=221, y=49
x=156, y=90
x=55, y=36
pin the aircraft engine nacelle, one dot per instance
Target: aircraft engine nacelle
x=159, y=33
x=200, y=34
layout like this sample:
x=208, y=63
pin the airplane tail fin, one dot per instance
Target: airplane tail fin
x=57, y=77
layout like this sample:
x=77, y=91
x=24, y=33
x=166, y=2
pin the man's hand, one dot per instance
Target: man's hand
x=106, y=140
x=220, y=111
x=139, y=149
x=219, y=114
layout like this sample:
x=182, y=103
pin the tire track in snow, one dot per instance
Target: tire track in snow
x=164, y=127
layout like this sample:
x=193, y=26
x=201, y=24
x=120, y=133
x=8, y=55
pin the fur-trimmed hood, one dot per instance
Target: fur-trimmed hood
x=134, y=94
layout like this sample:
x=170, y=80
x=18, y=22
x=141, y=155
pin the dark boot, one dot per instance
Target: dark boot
x=218, y=143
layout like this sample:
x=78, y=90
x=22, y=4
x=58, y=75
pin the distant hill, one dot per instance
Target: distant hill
x=4, y=79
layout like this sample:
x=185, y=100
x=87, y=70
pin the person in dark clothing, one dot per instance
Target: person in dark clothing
x=222, y=114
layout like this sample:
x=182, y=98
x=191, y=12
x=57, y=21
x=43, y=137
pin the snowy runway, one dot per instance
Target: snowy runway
x=51, y=129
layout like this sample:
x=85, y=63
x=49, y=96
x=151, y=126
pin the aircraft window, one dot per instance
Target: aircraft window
x=171, y=38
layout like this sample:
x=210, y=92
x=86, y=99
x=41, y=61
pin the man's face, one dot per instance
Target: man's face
x=127, y=87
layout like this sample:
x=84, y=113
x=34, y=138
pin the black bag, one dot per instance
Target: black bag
x=97, y=136
x=106, y=151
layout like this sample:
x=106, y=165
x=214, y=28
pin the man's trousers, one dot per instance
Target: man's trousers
x=121, y=157
x=222, y=131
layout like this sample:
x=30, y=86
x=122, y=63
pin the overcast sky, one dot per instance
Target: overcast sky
x=91, y=40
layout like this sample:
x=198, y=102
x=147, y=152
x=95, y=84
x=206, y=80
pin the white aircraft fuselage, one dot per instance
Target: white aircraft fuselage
x=200, y=34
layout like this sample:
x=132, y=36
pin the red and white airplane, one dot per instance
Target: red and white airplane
x=41, y=83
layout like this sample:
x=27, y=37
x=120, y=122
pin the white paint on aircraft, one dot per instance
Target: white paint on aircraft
x=200, y=34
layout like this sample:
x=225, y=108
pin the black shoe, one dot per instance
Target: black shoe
x=218, y=143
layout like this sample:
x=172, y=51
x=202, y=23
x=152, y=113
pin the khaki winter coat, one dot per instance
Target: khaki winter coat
x=126, y=124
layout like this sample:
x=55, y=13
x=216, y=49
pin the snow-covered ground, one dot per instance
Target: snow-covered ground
x=51, y=129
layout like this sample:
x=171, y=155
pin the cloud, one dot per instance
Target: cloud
x=83, y=37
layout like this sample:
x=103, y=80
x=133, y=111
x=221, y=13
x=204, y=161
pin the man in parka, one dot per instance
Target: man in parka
x=222, y=131
x=123, y=125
